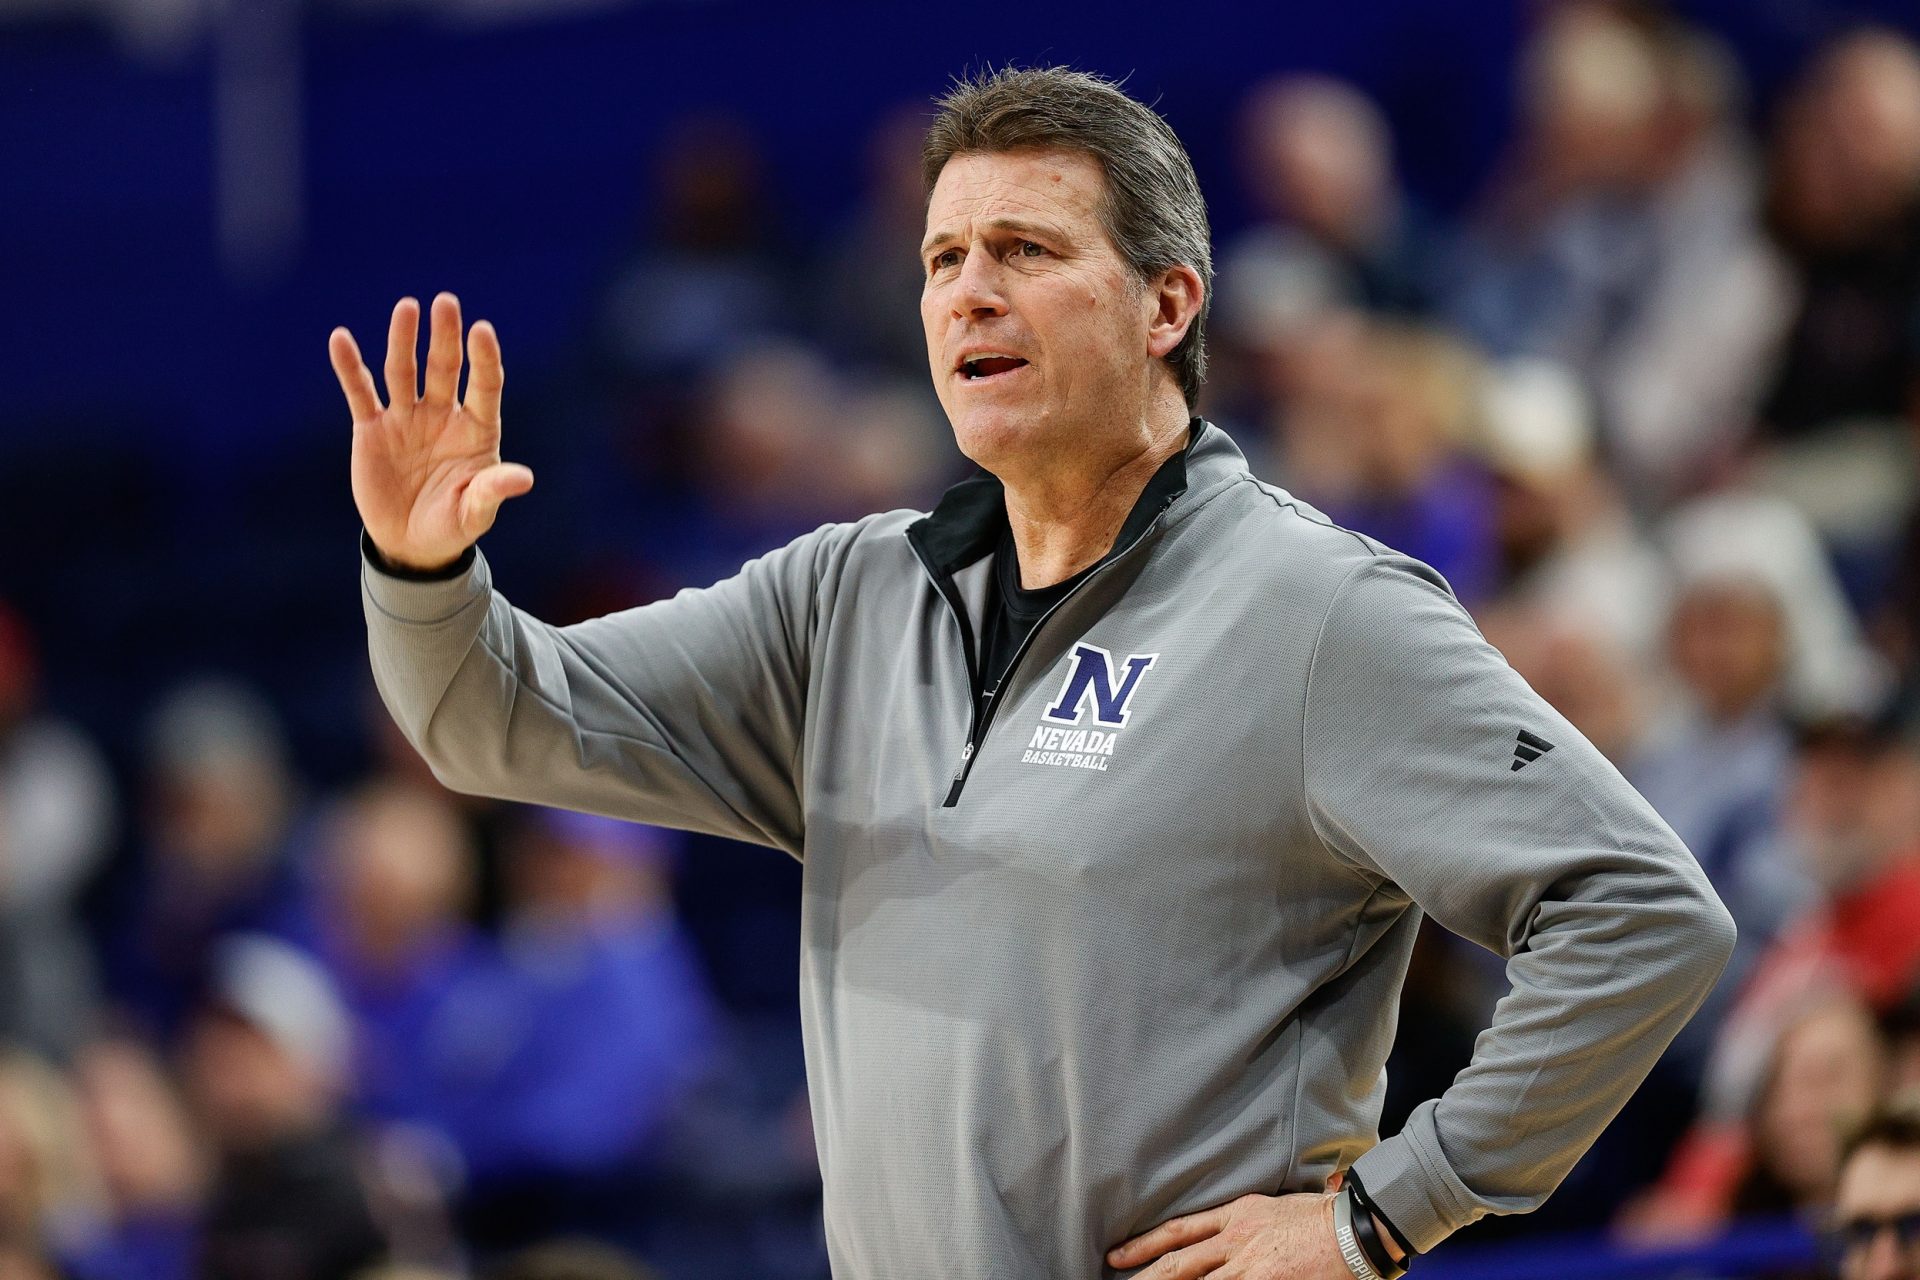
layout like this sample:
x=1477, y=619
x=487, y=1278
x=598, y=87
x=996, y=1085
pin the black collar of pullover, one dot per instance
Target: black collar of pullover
x=970, y=519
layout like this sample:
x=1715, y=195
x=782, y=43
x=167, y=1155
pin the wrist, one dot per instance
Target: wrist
x=1394, y=1252
x=1348, y=1239
x=1385, y=1246
x=413, y=572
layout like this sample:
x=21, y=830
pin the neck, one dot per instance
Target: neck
x=1065, y=517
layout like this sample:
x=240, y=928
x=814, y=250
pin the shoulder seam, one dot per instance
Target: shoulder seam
x=1294, y=507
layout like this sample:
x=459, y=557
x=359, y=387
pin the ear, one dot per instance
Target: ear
x=1175, y=299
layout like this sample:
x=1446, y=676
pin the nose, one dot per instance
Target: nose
x=978, y=289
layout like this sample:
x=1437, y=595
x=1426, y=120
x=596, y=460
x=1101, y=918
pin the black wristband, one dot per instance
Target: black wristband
x=392, y=570
x=1371, y=1211
x=1367, y=1236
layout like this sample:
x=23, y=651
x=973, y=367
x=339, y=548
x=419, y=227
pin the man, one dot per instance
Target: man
x=267, y=1062
x=1876, y=1209
x=1116, y=779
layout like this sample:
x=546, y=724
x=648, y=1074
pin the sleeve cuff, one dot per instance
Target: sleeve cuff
x=1415, y=1188
x=371, y=554
x=408, y=595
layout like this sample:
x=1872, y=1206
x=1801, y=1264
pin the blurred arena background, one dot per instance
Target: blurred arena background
x=1610, y=312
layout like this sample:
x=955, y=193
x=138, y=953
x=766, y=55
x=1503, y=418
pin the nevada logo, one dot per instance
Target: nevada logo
x=1092, y=681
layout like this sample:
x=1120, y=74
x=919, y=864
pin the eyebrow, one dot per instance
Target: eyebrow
x=1017, y=225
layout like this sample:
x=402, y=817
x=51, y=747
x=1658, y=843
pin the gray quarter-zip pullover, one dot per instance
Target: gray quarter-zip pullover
x=1130, y=942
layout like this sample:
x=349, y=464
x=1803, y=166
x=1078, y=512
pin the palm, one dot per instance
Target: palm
x=427, y=474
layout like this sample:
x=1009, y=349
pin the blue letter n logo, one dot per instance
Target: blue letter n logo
x=1091, y=671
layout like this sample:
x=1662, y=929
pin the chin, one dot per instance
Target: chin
x=992, y=434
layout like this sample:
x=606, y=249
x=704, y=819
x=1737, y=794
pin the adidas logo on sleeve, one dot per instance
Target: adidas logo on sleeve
x=1528, y=748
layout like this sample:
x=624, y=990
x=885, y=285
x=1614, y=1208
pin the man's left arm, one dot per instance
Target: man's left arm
x=1431, y=764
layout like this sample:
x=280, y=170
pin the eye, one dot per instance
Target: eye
x=945, y=258
x=1028, y=249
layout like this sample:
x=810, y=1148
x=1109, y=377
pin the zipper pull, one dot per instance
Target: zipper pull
x=959, y=778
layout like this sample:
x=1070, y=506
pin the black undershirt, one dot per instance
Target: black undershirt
x=1012, y=611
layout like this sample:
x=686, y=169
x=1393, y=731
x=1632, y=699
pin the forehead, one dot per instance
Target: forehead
x=1054, y=186
x=1879, y=1181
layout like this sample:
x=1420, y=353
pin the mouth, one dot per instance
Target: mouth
x=988, y=365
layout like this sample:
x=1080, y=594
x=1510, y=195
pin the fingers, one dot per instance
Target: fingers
x=443, y=352
x=1172, y=1234
x=362, y=400
x=1202, y=1259
x=403, y=339
x=485, y=374
x=486, y=491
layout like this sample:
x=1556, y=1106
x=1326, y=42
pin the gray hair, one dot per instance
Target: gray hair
x=1152, y=211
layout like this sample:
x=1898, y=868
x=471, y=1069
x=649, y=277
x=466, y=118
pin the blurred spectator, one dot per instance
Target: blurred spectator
x=57, y=817
x=1853, y=817
x=1624, y=241
x=1827, y=1073
x=1569, y=550
x=1780, y=1153
x=1678, y=381
x=49, y=1191
x=1716, y=765
x=1580, y=671
x=556, y=1065
x=1845, y=205
x=1316, y=155
x=394, y=759
x=1731, y=536
x=1374, y=438
x=894, y=448
x=395, y=884
x=872, y=273
x=267, y=1063
x=221, y=854
x=1901, y=1028
x=1875, y=1223
x=570, y=1260
x=1799, y=1050
x=781, y=442
x=1335, y=240
x=151, y=1165
x=704, y=281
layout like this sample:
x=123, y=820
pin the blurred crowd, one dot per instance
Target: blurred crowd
x=1652, y=405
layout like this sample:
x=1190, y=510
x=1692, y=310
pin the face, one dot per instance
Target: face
x=1019, y=270
x=1853, y=809
x=398, y=875
x=248, y=1089
x=1826, y=1076
x=1879, y=1184
x=1729, y=644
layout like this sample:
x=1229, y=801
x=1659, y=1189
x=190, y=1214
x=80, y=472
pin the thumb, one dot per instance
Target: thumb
x=486, y=491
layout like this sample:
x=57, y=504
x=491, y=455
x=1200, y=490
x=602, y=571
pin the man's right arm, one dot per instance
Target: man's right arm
x=687, y=712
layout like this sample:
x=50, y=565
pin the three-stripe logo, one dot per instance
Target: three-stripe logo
x=1528, y=748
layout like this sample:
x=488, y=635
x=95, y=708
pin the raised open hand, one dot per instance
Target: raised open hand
x=427, y=475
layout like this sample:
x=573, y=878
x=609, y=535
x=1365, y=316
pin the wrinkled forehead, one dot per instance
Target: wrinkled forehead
x=1879, y=1181
x=1063, y=187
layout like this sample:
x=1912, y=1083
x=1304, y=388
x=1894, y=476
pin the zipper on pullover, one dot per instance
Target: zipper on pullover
x=985, y=704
